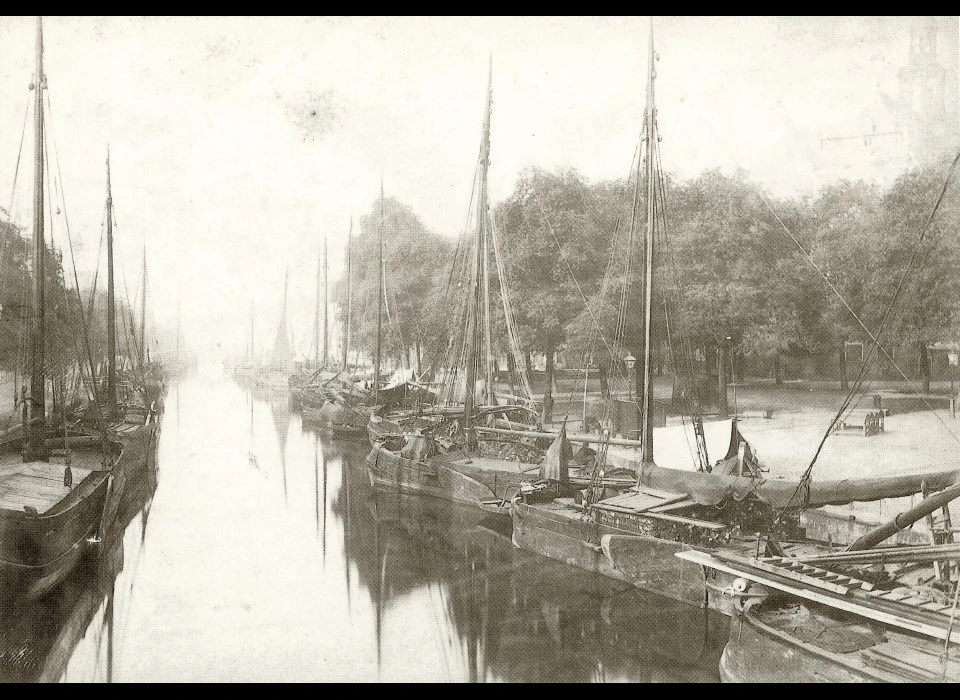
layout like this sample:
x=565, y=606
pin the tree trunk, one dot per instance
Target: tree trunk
x=777, y=370
x=604, y=381
x=844, y=383
x=721, y=381
x=529, y=362
x=548, y=390
x=511, y=373
x=924, y=365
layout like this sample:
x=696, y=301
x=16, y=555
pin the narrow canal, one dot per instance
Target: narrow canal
x=260, y=552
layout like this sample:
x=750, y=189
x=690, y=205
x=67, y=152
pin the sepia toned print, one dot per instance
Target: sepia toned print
x=517, y=349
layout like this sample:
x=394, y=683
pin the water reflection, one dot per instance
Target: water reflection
x=269, y=557
x=41, y=638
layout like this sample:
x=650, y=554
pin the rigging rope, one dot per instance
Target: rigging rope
x=83, y=322
x=805, y=477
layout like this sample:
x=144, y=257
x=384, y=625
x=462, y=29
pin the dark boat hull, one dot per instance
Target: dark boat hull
x=453, y=480
x=393, y=472
x=644, y=561
x=39, y=552
x=758, y=653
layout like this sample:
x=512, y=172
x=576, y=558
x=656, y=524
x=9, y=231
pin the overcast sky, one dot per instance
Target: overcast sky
x=238, y=143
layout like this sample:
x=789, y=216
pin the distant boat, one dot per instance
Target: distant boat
x=275, y=375
x=310, y=374
x=54, y=478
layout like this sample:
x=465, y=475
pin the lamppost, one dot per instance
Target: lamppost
x=630, y=361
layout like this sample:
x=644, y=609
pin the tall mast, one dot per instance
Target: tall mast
x=479, y=254
x=486, y=232
x=376, y=361
x=111, y=308
x=35, y=449
x=316, y=317
x=326, y=305
x=651, y=128
x=347, y=311
x=144, y=353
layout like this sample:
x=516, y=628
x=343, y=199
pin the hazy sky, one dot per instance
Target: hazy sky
x=238, y=143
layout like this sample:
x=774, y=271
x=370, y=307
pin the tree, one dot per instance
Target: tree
x=842, y=243
x=414, y=260
x=551, y=243
x=925, y=305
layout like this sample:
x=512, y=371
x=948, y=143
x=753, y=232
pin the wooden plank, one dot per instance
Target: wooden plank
x=23, y=480
x=684, y=503
x=739, y=566
x=18, y=502
x=43, y=491
x=662, y=516
x=836, y=588
x=54, y=472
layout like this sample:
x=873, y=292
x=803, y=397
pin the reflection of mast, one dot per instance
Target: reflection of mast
x=280, y=424
x=109, y=616
x=378, y=602
x=316, y=485
x=345, y=485
x=324, y=550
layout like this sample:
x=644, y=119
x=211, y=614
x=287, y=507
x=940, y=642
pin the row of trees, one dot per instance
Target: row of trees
x=64, y=324
x=736, y=269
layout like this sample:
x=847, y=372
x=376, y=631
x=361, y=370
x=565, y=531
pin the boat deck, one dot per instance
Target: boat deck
x=37, y=485
x=492, y=464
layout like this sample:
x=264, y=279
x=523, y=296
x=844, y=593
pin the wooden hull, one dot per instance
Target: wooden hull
x=757, y=652
x=643, y=561
x=37, y=553
x=457, y=480
x=390, y=471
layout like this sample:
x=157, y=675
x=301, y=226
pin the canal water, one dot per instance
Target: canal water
x=260, y=552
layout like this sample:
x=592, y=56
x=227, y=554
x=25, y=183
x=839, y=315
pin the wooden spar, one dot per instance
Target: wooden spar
x=905, y=519
x=552, y=436
x=891, y=555
x=347, y=310
x=316, y=315
x=473, y=297
x=376, y=361
x=111, y=308
x=646, y=414
x=326, y=305
x=144, y=353
x=483, y=224
x=35, y=446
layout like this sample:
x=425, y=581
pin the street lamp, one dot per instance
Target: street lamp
x=630, y=361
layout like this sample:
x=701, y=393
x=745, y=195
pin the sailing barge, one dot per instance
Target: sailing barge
x=867, y=612
x=444, y=454
x=54, y=479
x=707, y=505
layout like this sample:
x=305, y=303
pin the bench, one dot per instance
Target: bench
x=869, y=422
